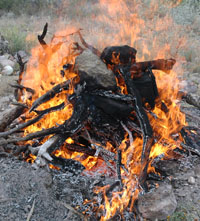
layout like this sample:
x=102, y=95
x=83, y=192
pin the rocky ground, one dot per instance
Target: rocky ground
x=47, y=194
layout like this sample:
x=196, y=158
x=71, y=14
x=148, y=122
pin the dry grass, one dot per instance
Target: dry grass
x=104, y=25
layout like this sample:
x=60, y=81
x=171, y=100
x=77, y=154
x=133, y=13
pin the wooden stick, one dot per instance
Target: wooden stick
x=31, y=211
x=8, y=116
x=74, y=211
x=90, y=47
x=31, y=136
x=32, y=121
x=186, y=147
x=190, y=99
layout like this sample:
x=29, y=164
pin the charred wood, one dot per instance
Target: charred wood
x=42, y=36
x=119, y=163
x=21, y=87
x=20, y=104
x=190, y=99
x=144, y=124
x=22, y=67
x=68, y=165
x=189, y=139
x=42, y=133
x=191, y=149
x=190, y=115
x=50, y=94
x=8, y=116
x=160, y=64
x=32, y=121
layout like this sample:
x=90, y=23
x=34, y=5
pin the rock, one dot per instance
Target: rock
x=23, y=55
x=4, y=61
x=197, y=171
x=94, y=72
x=191, y=180
x=196, y=69
x=158, y=204
x=7, y=70
x=3, y=45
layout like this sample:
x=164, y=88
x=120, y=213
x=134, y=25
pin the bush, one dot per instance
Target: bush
x=29, y=7
x=17, y=39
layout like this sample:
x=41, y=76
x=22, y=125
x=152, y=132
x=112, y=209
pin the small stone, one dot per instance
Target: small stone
x=158, y=204
x=197, y=171
x=8, y=70
x=191, y=180
x=4, y=61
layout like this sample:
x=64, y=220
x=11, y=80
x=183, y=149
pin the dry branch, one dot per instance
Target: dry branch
x=8, y=116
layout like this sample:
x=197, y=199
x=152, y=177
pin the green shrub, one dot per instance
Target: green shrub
x=17, y=39
x=29, y=7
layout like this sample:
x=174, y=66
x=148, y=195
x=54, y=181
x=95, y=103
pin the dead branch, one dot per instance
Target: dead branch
x=90, y=47
x=160, y=64
x=50, y=94
x=42, y=36
x=8, y=116
x=21, y=87
x=190, y=115
x=188, y=148
x=32, y=121
x=119, y=162
x=31, y=136
x=190, y=99
x=74, y=211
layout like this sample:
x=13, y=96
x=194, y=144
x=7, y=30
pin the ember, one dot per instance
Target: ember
x=102, y=110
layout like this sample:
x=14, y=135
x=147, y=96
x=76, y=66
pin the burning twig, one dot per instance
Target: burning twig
x=112, y=187
x=90, y=47
x=20, y=104
x=160, y=64
x=32, y=121
x=50, y=94
x=31, y=136
x=21, y=87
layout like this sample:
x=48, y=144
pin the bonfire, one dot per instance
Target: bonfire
x=83, y=109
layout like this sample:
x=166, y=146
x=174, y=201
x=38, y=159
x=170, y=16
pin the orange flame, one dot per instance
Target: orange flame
x=150, y=39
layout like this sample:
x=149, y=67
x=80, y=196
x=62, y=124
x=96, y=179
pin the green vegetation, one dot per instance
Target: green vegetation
x=29, y=7
x=185, y=213
x=17, y=39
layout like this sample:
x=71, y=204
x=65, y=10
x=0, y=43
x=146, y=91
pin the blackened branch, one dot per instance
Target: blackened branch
x=42, y=36
x=50, y=94
x=90, y=47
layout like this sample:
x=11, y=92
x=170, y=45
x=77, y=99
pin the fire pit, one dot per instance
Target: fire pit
x=83, y=109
